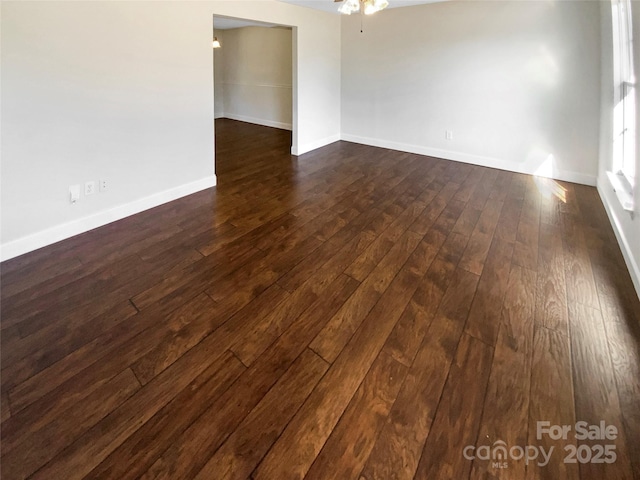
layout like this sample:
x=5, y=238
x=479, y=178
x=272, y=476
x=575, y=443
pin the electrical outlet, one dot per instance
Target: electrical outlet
x=90, y=188
x=448, y=135
x=74, y=193
x=103, y=185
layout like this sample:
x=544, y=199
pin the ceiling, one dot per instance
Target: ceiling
x=330, y=6
x=222, y=23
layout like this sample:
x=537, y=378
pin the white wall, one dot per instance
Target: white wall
x=516, y=82
x=218, y=69
x=625, y=224
x=256, y=76
x=124, y=91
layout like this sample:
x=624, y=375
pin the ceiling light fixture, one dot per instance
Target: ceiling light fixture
x=216, y=43
x=368, y=7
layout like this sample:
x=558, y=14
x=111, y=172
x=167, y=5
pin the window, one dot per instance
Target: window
x=623, y=172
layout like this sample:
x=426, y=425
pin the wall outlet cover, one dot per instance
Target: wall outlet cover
x=90, y=188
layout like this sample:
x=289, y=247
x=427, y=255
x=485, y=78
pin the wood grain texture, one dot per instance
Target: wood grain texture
x=581, y=287
x=506, y=406
x=337, y=332
x=196, y=444
x=552, y=310
x=551, y=400
x=484, y=317
x=36, y=449
x=354, y=312
x=242, y=451
x=525, y=252
x=398, y=448
x=295, y=451
x=5, y=410
x=142, y=448
x=596, y=395
x=457, y=417
x=625, y=357
x=351, y=441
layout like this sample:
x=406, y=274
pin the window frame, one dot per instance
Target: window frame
x=623, y=174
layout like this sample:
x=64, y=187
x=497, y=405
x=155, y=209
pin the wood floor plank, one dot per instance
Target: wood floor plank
x=199, y=442
x=457, y=418
x=595, y=390
x=430, y=214
x=336, y=333
x=467, y=221
x=506, y=403
x=552, y=310
x=70, y=288
x=407, y=335
x=507, y=227
x=249, y=281
x=82, y=370
x=552, y=401
x=367, y=262
x=5, y=410
x=484, y=317
x=581, y=287
x=399, y=446
x=623, y=340
x=36, y=309
x=49, y=345
x=271, y=325
x=198, y=276
x=38, y=447
x=501, y=186
x=397, y=450
x=306, y=268
x=477, y=250
x=554, y=194
x=351, y=441
x=133, y=456
x=295, y=451
x=93, y=447
x=184, y=337
x=242, y=451
x=17, y=281
x=481, y=194
x=518, y=309
x=525, y=252
x=470, y=183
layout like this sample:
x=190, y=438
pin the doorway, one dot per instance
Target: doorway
x=254, y=77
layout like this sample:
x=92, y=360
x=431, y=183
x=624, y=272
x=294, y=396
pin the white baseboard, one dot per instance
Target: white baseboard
x=307, y=147
x=61, y=232
x=566, y=176
x=632, y=264
x=258, y=121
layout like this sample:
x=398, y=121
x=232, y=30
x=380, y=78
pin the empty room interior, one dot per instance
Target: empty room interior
x=317, y=239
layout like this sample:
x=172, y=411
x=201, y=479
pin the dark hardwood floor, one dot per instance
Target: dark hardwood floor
x=354, y=313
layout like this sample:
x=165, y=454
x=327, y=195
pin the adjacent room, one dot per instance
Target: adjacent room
x=253, y=83
x=317, y=239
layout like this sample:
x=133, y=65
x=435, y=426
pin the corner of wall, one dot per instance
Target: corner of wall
x=563, y=175
x=307, y=147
